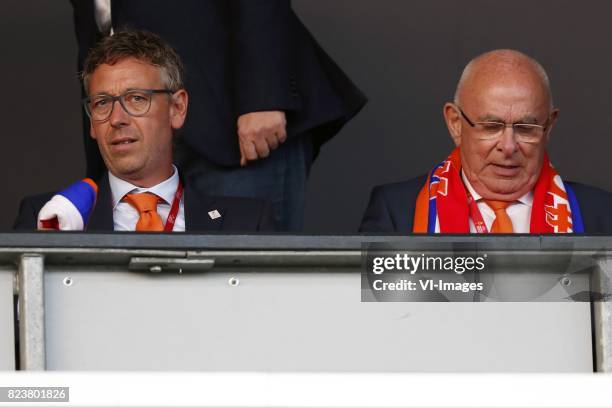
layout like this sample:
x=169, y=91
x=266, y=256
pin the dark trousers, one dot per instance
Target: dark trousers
x=280, y=178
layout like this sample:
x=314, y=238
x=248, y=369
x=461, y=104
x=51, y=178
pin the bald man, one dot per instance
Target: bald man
x=499, y=178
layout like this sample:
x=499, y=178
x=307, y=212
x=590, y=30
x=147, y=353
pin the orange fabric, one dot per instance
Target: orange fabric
x=443, y=201
x=502, y=223
x=146, y=204
x=92, y=184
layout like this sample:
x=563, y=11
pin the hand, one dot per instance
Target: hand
x=260, y=132
x=60, y=211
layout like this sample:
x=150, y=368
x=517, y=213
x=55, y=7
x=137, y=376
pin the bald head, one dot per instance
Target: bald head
x=502, y=66
x=507, y=88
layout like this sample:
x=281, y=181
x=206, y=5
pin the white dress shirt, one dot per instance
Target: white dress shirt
x=103, y=16
x=519, y=211
x=125, y=216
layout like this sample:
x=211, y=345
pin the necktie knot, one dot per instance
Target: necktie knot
x=502, y=223
x=143, y=202
x=498, y=205
x=146, y=205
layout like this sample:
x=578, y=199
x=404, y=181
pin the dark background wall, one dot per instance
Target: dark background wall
x=406, y=56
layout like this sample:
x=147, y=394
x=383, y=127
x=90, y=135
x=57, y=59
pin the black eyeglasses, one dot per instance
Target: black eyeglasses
x=136, y=102
x=525, y=132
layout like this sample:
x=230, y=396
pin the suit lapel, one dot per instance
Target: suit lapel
x=101, y=218
x=198, y=210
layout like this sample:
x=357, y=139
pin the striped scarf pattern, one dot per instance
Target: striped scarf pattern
x=443, y=200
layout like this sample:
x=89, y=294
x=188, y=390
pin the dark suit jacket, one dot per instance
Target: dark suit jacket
x=240, y=56
x=237, y=214
x=391, y=208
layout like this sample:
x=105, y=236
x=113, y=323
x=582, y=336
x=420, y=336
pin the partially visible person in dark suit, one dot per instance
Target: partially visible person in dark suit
x=499, y=179
x=264, y=95
x=136, y=101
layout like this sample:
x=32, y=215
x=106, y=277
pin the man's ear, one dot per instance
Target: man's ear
x=92, y=133
x=452, y=117
x=178, y=108
x=554, y=115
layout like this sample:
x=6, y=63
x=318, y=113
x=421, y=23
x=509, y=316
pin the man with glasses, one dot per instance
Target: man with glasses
x=264, y=94
x=499, y=178
x=136, y=102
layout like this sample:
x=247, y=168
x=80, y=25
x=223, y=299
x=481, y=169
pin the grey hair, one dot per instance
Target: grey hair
x=139, y=44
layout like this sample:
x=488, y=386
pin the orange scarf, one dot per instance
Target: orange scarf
x=443, y=200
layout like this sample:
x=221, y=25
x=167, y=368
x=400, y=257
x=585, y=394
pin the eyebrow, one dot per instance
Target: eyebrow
x=532, y=120
x=492, y=118
x=103, y=93
x=489, y=118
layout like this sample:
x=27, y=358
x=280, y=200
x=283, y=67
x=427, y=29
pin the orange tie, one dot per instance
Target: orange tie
x=502, y=223
x=146, y=204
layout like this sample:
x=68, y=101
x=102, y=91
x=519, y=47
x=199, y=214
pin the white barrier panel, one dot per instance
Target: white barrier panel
x=250, y=319
x=291, y=303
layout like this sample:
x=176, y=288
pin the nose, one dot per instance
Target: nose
x=507, y=142
x=119, y=117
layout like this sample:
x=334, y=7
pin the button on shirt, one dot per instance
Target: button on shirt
x=125, y=216
x=519, y=211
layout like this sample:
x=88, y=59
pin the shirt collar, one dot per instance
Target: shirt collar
x=527, y=199
x=165, y=190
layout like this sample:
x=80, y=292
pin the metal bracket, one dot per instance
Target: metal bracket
x=31, y=312
x=179, y=265
x=602, y=315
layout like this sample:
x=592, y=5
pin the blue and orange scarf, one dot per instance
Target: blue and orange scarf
x=443, y=199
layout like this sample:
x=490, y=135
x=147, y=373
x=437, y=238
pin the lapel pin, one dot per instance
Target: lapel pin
x=214, y=214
